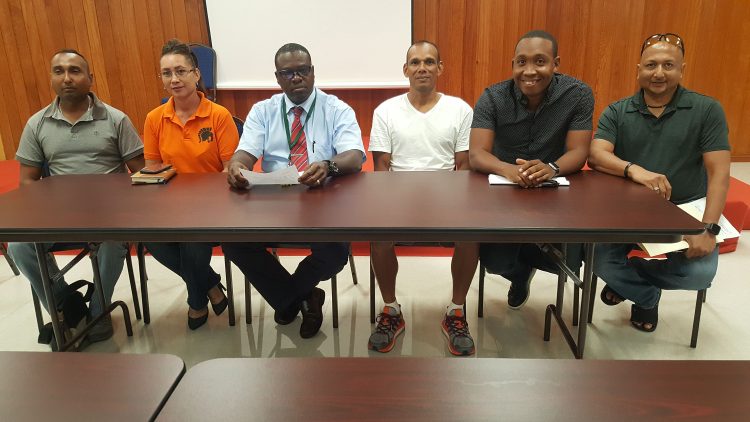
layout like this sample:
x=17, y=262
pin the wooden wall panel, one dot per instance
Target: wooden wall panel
x=121, y=39
x=599, y=44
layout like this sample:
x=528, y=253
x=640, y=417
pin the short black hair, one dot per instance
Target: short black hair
x=291, y=48
x=73, y=51
x=538, y=33
x=420, y=42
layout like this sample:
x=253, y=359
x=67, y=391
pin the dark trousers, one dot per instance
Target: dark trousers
x=274, y=282
x=192, y=262
x=515, y=261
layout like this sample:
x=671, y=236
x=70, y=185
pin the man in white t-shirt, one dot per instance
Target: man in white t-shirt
x=422, y=130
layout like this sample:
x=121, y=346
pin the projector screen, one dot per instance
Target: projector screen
x=353, y=43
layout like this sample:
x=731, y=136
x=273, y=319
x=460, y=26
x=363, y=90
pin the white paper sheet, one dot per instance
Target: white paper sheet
x=287, y=176
x=496, y=179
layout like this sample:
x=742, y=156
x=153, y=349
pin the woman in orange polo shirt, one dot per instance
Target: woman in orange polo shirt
x=194, y=135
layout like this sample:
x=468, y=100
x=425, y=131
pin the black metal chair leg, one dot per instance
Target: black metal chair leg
x=352, y=267
x=335, y=302
x=372, y=290
x=10, y=261
x=248, y=304
x=592, y=298
x=697, y=318
x=140, y=253
x=230, y=289
x=133, y=288
x=480, y=305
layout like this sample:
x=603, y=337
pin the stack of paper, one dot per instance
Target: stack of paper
x=695, y=209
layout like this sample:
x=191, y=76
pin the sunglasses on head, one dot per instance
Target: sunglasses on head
x=668, y=38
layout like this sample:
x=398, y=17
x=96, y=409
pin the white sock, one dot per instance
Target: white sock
x=453, y=306
x=395, y=306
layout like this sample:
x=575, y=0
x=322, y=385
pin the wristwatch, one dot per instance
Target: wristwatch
x=333, y=169
x=713, y=228
x=555, y=167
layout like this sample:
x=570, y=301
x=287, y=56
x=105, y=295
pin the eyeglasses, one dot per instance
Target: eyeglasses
x=288, y=74
x=180, y=73
x=669, y=38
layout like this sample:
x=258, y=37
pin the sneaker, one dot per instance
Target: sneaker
x=456, y=329
x=390, y=325
x=518, y=294
x=101, y=331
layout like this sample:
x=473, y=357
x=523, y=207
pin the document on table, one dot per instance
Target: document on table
x=496, y=179
x=287, y=176
x=695, y=209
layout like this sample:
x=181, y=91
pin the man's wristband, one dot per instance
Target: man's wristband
x=625, y=173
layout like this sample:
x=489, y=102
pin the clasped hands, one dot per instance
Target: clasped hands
x=529, y=173
x=313, y=176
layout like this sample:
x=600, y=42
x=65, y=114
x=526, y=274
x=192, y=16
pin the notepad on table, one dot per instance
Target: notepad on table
x=496, y=179
x=139, y=178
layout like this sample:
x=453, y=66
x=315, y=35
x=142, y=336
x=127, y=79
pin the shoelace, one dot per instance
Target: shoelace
x=457, y=326
x=387, y=324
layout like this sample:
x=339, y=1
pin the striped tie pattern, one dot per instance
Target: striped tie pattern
x=299, y=151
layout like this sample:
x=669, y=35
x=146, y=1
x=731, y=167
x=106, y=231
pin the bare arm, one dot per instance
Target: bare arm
x=602, y=158
x=462, y=160
x=381, y=160
x=240, y=160
x=717, y=167
x=482, y=159
x=136, y=163
x=29, y=174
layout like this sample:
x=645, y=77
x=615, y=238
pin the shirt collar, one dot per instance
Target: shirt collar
x=204, y=107
x=305, y=105
x=96, y=110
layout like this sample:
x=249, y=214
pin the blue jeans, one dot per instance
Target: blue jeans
x=515, y=261
x=280, y=288
x=111, y=257
x=641, y=281
x=192, y=262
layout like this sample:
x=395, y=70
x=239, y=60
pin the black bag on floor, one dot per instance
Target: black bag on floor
x=72, y=312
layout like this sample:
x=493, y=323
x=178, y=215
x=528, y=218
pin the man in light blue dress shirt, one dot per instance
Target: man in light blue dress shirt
x=319, y=134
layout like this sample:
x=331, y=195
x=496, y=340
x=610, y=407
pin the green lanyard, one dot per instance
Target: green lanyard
x=286, y=123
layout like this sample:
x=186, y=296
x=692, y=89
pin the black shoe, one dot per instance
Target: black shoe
x=221, y=306
x=195, y=323
x=518, y=294
x=312, y=313
x=288, y=315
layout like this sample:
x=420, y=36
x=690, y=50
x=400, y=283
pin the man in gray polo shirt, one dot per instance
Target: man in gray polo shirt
x=528, y=129
x=674, y=142
x=76, y=134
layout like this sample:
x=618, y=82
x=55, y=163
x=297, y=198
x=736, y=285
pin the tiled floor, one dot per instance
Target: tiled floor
x=423, y=290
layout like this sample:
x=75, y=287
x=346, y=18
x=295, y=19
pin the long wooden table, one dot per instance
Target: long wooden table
x=393, y=206
x=438, y=389
x=36, y=386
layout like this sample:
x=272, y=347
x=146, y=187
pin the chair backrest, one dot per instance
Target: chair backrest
x=239, y=123
x=207, y=64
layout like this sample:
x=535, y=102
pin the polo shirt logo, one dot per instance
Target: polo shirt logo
x=205, y=135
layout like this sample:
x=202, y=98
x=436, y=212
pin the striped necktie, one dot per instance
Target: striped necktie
x=299, y=150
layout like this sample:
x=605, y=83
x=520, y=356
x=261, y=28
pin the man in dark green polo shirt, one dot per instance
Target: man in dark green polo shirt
x=674, y=142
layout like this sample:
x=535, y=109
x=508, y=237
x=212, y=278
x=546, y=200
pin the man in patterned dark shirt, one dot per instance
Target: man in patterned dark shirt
x=529, y=129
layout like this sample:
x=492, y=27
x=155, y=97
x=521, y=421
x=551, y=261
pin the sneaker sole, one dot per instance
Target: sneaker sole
x=451, y=349
x=390, y=345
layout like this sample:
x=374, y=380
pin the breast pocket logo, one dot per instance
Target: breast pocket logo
x=205, y=135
